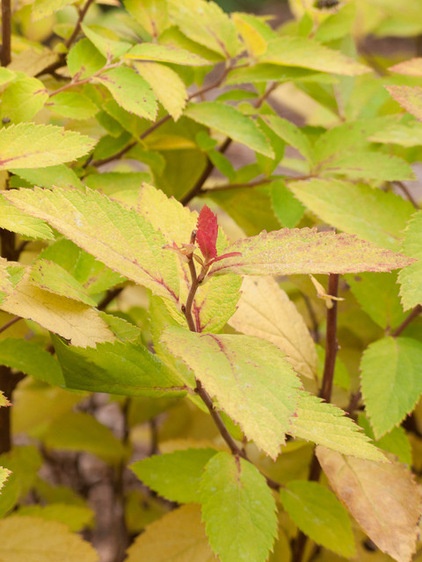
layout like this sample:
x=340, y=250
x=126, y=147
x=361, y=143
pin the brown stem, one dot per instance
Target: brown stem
x=413, y=314
x=6, y=32
x=9, y=323
x=109, y=297
x=82, y=13
x=403, y=187
x=325, y=393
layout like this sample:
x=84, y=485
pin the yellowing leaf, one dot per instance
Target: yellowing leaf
x=3, y=400
x=383, y=498
x=369, y=213
x=179, y=536
x=207, y=24
x=43, y=8
x=231, y=122
x=411, y=67
x=127, y=243
x=109, y=47
x=409, y=97
x=238, y=509
x=165, y=53
x=30, y=539
x=292, y=251
x=265, y=311
x=15, y=220
x=308, y=53
x=325, y=424
x=23, y=99
x=130, y=91
x=70, y=319
x=389, y=366
x=167, y=86
x=258, y=390
x=410, y=278
x=75, y=517
x=4, y=474
x=27, y=145
x=151, y=14
x=254, y=41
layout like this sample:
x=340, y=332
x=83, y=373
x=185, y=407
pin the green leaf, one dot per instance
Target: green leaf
x=325, y=424
x=43, y=8
x=179, y=536
x=390, y=381
x=231, y=122
x=409, y=97
x=151, y=14
x=238, y=510
x=377, y=294
x=31, y=539
x=396, y=441
x=73, y=105
x=130, y=91
x=23, y=99
x=258, y=390
x=77, y=431
x=84, y=59
x=308, y=53
x=265, y=311
x=27, y=145
x=288, y=252
x=75, y=517
x=368, y=165
x=288, y=210
x=165, y=53
x=318, y=513
x=128, y=243
x=369, y=213
x=49, y=176
x=167, y=86
x=108, y=47
x=410, y=278
x=406, y=134
x=119, y=368
x=51, y=277
x=30, y=359
x=16, y=220
x=174, y=476
x=207, y=24
x=291, y=134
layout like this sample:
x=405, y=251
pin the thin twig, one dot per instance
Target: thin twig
x=403, y=187
x=82, y=13
x=9, y=323
x=413, y=314
x=6, y=32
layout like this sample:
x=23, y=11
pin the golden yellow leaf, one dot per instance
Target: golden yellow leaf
x=383, y=498
x=179, y=536
x=265, y=311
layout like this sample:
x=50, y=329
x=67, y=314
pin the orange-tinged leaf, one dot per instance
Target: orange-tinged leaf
x=383, y=498
x=305, y=250
x=409, y=97
x=31, y=539
x=411, y=67
x=179, y=536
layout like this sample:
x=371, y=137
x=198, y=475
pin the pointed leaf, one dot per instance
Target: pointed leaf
x=23, y=99
x=238, y=510
x=288, y=252
x=258, y=390
x=72, y=320
x=27, y=145
x=206, y=24
x=174, y=476
x=383, y=498
x=4, y=474
x=265, y=311
x=369, y=213
x=231, y=122
x=167, y=86
x=119, y=368
x=206, y=233
x=130, y=91
x=15, y=220
x=318, y=513
x=325, y=424
x=30, y=359
x=179, y=536
x=390, y=380
x=308, y=53
x=128, y=243
x=291, y=134
x=410, y=67
x=30, y=539
x=410, y=278
x=409, y=97
x=165, y=53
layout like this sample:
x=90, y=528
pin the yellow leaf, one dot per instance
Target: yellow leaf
x=166, y=85
x=383, y=498
x=265, y=311
x=72, y=320
x=30, y=539
x=179, y=536
x=254, y=41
